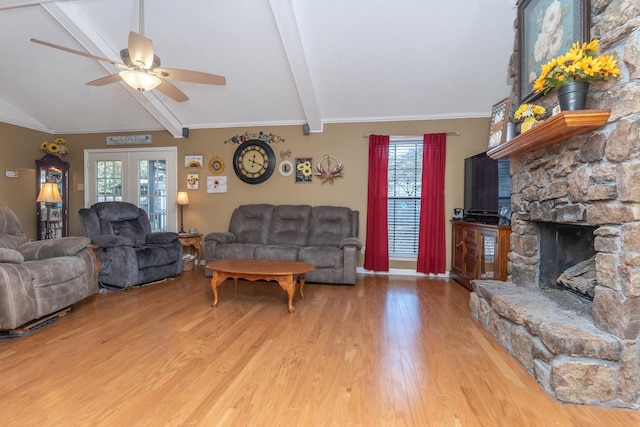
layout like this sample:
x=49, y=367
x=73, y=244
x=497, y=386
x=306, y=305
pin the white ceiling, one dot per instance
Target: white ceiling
x=286, y=62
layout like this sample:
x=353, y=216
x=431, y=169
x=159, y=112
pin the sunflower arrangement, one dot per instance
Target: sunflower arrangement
x=57, y=146
x=530, y=110
x=580, y=63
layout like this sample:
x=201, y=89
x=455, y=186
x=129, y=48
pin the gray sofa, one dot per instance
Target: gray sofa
x=41, y=277
x=130, y=254
x=324, y=236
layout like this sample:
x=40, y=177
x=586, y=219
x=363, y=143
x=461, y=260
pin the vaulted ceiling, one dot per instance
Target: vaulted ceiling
x=286, y=62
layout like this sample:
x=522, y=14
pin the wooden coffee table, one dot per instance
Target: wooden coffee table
x=285, y=273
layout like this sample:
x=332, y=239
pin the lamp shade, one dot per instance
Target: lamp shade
x=183, y=198
x=140, y=80
x=49, y=193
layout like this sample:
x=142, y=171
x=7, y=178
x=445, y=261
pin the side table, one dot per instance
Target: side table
x=193, y=242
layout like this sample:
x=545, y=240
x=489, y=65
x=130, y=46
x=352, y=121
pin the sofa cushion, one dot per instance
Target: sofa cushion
x=9, y=223
x=53, y=271
x=131, y=230
x=290, y=225
x=161, y=237
x=11, y=256
x=115, y=211
x=251, y=223
x=329, y=225
x=50, y=248
x=235, y=251
x=322, y=256
x=278, y=252
x=152, y=256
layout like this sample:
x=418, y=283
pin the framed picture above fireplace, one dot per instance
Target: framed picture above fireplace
x=547, y=28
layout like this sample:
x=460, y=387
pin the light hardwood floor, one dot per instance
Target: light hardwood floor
x=389, y=351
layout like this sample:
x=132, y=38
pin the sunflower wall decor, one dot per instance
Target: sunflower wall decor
x=193, y=179
x=216, y=165
x=304, y=169
x=193, y=161
x=216, y=184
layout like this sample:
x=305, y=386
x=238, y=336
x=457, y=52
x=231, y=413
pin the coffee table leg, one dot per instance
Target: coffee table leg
x=214, y=288
x=289, y=285
x=302, y=286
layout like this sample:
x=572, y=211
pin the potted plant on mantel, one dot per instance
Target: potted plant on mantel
x=572, y=72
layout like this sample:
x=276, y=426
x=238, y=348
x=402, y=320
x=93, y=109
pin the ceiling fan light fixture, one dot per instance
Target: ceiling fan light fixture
x=140, y=80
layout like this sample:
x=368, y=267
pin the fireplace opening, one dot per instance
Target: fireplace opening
x=567, y=258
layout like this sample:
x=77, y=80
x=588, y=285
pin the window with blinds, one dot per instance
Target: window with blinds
x=405, y=188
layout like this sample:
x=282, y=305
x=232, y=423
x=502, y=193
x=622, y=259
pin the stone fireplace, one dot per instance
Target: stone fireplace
x=588, y=186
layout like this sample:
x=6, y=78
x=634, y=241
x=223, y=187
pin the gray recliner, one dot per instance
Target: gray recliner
x=41, y=277
x=130, y=254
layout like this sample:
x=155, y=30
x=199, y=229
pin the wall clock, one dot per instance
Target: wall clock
x=254, y=161
x=216, y=165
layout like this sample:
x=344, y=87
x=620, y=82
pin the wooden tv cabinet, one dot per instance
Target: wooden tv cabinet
x=479, y=251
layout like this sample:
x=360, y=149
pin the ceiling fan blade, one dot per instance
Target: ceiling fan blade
x=140, y=50
x=77, y=52
x=172, y=92
x=191, y=76
x=105, y=80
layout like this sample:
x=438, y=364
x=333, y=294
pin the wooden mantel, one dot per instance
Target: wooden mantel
x=558, y=128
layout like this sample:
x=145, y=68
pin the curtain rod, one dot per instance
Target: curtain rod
x=411, y=136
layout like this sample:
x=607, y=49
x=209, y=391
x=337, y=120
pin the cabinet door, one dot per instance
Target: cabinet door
x=488, y=254
x=458, y=249
x=52, y=217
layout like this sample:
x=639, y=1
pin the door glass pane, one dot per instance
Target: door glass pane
x=108, y=180
x=487, y=264
x=152, y=188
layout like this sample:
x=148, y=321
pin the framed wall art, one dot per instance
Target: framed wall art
x=499, y=121
x=193, y=181
x=546, y=29
x=216, y=165
x=285, y=168
x=193, y=161
x=304, y=169
x=216, y=184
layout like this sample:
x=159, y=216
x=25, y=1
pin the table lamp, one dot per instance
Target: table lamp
x=183, y=199
x=49, y=195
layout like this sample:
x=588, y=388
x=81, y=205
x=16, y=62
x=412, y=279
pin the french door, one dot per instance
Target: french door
x=145, y=177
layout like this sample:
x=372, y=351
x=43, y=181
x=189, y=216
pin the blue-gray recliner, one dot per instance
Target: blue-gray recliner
x=130, y=254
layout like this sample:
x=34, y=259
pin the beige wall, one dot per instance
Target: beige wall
x=211, y=212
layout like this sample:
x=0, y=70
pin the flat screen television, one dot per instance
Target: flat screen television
x=487, y=187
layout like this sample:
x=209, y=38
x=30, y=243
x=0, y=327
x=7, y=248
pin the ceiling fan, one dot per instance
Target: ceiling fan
x=141, y=68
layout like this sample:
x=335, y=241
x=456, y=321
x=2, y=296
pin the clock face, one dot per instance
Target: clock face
x=254, y=161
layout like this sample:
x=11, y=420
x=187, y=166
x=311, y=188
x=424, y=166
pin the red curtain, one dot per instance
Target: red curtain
x=431, y=239
x=376, y=253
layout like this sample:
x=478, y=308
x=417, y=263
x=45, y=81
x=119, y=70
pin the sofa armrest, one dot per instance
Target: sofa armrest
x=221, y=237
x=351, y=241
x=52, y=248
x=161, y=237
x=106, y=241
x=10, y=256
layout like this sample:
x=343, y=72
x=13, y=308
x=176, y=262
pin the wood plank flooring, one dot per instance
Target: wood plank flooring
x=389, y=351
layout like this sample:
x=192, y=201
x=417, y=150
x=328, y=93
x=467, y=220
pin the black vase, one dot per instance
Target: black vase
x=573, y=96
